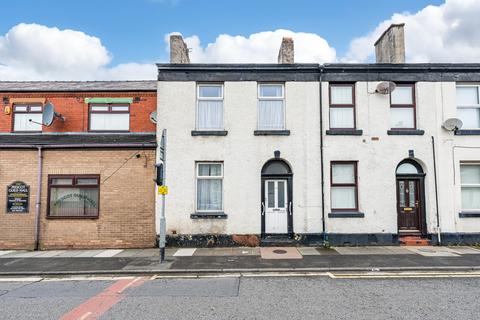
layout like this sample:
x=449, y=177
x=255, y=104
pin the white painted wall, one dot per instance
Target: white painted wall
x=377, y=153
x=243, y=155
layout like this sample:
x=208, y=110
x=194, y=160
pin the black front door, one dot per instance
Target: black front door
x=409, y=206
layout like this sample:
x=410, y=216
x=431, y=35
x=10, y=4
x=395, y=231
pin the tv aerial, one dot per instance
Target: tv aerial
x=452, y=124
x=385, y=87
x=153, y=117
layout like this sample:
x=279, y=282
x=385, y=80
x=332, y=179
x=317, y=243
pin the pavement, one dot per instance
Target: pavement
x=238, y=260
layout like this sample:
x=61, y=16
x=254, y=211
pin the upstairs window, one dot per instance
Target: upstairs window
x=468, y=106
x=109, y=117
x=73, y=196
x=209, y=107
x=344, y=186
x=342, y=106
x=402, y=107
x=27, y=118
x=470, y=181
x=271, y=107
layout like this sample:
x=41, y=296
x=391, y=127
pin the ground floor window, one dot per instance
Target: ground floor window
x=73, y=196
x=470, y=181
x=209, y=186
x=344, y=186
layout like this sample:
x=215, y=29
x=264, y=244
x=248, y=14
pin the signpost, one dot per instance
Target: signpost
x=162, y=190
x=18, y=195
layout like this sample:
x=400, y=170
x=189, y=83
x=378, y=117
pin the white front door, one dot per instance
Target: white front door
x=275, y=203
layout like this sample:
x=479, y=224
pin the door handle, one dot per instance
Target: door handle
x=263, y=209
x=290, y=207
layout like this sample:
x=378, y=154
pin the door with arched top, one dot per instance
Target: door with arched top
x=410, y=198
x=276, y=200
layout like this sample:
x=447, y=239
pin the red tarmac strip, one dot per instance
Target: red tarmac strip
x=94, y=307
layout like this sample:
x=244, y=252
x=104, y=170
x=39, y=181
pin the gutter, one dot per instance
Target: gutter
x=38, y=200
x=73, y=146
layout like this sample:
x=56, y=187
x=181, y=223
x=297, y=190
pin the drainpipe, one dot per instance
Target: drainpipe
x=38, y=200
x=436, y=191
x=325, y=236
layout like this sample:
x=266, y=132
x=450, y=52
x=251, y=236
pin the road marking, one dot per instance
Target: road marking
x=97, y=305
x=392, y=275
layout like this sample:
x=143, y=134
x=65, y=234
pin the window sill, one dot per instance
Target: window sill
x=271, y=132
x=209, y=215
x=72, y=217
x=346, y=214
x=469, y=214
x=409, y=132
x=209, y=133
x=473, y=132
x=344, y=132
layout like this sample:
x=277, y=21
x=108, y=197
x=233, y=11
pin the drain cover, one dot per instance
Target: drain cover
x=279, y=251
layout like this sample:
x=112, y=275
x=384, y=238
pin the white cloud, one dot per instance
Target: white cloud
x=444, y=33
x=259, y=47
x=37, y=52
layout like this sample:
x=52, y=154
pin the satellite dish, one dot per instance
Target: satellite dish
x=452, y=124
x=385, y=87
x=153, y=117
x=49, y=115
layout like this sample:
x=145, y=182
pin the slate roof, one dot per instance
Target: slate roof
x=77, y=86
x=78, y=140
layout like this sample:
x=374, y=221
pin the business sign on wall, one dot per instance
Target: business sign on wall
x=18, y=194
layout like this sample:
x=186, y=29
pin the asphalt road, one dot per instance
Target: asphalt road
x=242, y=298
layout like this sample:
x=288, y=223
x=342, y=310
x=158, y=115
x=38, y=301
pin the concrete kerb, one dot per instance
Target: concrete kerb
x=240, y=272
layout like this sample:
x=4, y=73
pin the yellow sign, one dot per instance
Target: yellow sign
x=163, y=190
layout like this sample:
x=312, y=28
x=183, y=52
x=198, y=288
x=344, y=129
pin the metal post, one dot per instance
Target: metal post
x=163, y=229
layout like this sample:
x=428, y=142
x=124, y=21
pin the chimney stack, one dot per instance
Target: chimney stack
x=178, y=50
x=286, y=54
x=390, y=47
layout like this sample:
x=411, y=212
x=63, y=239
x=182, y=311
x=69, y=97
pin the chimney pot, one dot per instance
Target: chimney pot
x=286, y=55
x=390, y=47
x=178, y=50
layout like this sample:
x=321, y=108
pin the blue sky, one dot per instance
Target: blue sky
x=134, y=30
x=122, y=39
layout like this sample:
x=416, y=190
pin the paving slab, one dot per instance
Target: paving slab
x=108, y=253
x=308, y=251
x=280, y=253
x=27, y=254
x=433, y=251
x=70, y=253
x=326, y=251
x=51, y=253
x=465, y=250
x=88, y=253
x=4, y=252
x=186, y=252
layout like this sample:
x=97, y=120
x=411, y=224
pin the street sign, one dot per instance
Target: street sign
x=163, y=190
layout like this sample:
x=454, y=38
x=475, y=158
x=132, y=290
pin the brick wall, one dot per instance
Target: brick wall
x=127, y=199
x=73, y=107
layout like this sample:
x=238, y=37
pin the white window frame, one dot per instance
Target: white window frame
x=197, y=176
x=468, y=185
x=125, y=108
x=221, y=98
x=282, y=98
x=477, y=106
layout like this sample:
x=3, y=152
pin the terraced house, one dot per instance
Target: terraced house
x=345, y=154
x=77, y=164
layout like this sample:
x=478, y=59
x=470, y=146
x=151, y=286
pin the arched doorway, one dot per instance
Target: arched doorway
x=276, y=200
x=411, y=198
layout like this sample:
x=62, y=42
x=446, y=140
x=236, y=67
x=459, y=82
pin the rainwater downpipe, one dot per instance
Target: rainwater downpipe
x=38, y=200
x=324, y=231
x=436, y=192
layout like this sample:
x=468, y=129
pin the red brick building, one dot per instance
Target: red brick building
x=86, y=180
